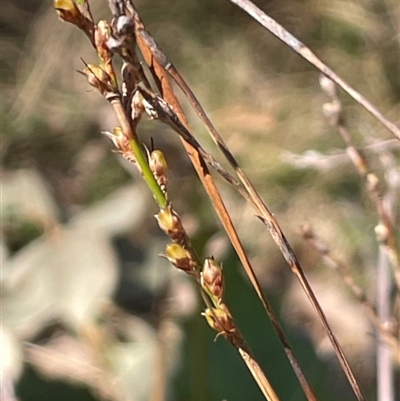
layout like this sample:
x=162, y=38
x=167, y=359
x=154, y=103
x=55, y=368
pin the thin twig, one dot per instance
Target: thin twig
x=197, y=160
x=258, y=375
x=381, y=326
x=160, y=61
x=384, y=358
x=385, y=231
x=269, y=220
x=301, y=49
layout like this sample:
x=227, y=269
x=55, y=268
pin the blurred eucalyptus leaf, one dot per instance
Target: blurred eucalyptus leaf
x=69, y=273
x=77, y=362
x=27, y=195
x=120, y=212
x=146, y=359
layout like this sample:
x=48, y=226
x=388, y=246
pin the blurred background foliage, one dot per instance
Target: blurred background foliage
x=86, y=298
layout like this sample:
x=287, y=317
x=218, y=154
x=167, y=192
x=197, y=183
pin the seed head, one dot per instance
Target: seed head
x=212, y=280
x=179, y=257
x=67, y=11
x=169, y=222
x=98, y=78
x=102, y=34
x=158, y=166
x=220, y=319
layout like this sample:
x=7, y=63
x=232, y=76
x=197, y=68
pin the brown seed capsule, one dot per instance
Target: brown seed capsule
x=102, y=34
x=67, y=10
x=220, y=319
x=179, y=257
x=137, y=107
x=171, y=224
x=122, y=143
x=98, y=78
x=158, y=166
x=212, y=280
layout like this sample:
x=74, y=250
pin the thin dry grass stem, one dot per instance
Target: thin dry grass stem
x=119, y=37
x=158, y=64
x=148, y=47
x=386, y=330
x=385, y=235
x=161, y=110
x=385, y=372
x=160, y=67
x=301, y=49
x=258, y=375
x=220, y=319
x=392, y=179
x=391, y=201
x=158, y=391
x=384, y=230
x=251, y=195
x=277, y=234
x=269, y=220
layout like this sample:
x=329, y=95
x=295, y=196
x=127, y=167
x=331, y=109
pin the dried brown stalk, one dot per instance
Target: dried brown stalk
x=386, y=331
x=302, y=50
x=135, y=100
x=385, y=231
x=197, y=160
x=161, y=67
x=269, y=220
x=168, y=109
x=159, y=64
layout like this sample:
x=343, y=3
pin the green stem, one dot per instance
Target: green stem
x=147, y=174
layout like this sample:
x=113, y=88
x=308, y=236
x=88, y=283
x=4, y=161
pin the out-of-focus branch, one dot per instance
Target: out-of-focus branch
x=301, y=49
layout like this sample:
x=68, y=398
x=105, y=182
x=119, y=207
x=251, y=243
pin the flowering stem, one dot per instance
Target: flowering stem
x=147, y=174
x=137, y=151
